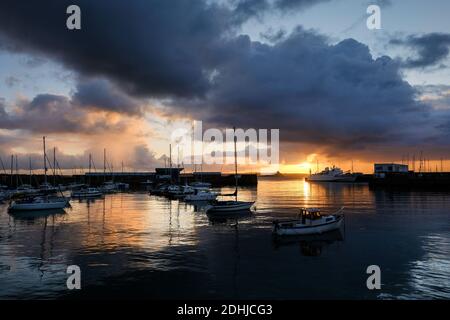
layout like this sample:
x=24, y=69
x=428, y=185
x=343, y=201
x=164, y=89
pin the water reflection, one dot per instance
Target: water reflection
x=136, y=245
x=310, y=245
x=36, y=215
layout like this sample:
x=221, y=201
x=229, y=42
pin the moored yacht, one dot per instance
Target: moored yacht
x=25, y=189
x=108, y=187
x=47, y=188
x=87, y=193
x=199, y=184
x=226, y=207
x=44, y=202
x=327, y=175
x=38, y=203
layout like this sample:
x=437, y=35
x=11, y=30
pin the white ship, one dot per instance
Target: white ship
x=327, y=175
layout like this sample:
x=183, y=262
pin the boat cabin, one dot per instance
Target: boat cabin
x=309, y=214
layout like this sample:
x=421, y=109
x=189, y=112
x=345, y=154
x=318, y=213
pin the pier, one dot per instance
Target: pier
x=136, y=180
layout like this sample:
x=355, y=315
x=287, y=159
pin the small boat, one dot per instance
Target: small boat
x=199, y=184
x=122, y=186
x=76, y=186
x=38, y=203
x=201, y=195
x=159, y=190
x=108, y=187
x=228, y=206
x=86, y=193
x=224, y=207
x=25, y=189
x=310, y=221
x=47, y=188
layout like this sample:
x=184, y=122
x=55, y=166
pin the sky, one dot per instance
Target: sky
x=339, y=93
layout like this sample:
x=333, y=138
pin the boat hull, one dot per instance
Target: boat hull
x=200, y=197
x=38, y=206
x=308, y=230
x=322, y=179
x=87, y=195
x=229, y=207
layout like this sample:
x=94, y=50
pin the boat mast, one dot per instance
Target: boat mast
x=170, y=156
x=30, y=171
x=54, y=166
x=104, y=165
x=17, y=172
x=235, y=163
x=45, y=162
x=89, y=172
x=12, y=170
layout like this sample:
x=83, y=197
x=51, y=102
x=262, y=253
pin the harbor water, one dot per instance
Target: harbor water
x=133, y=245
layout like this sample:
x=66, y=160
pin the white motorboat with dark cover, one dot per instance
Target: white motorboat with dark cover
x=223, y=207
x=310, y=221
x=87, y=193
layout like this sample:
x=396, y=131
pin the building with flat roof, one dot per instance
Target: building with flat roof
x=381, y=169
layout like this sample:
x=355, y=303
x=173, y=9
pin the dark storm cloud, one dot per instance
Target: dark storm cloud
x=431, y=49
x=144, y=158
x=100, y=94
x=150, y=47
x=314, y=91
x=245, y=9
x=11, y=81
x=296, y=4
x=49, y=113
x=189, y=53
x=155, y=47
x=45, y=113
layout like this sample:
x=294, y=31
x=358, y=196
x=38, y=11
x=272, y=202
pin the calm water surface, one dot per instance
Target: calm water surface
x=139, y=246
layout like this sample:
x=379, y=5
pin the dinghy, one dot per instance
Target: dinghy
x=310, y=221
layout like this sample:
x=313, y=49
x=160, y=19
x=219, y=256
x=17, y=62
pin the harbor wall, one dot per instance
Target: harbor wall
x=413, y=180
x=135, y=180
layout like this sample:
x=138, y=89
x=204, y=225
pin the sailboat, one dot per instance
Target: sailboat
x=87, y=192
x=227, y=207
x=44, y=202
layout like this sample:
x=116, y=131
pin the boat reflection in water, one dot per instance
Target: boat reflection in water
x=228, y=217
x=310, y=245
x=38, y=214
x=132, y=245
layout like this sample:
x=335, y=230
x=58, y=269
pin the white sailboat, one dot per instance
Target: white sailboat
x=87, y=193
x=44, y=202
x=84, y=191
x=39, y=203
x=226, y=207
